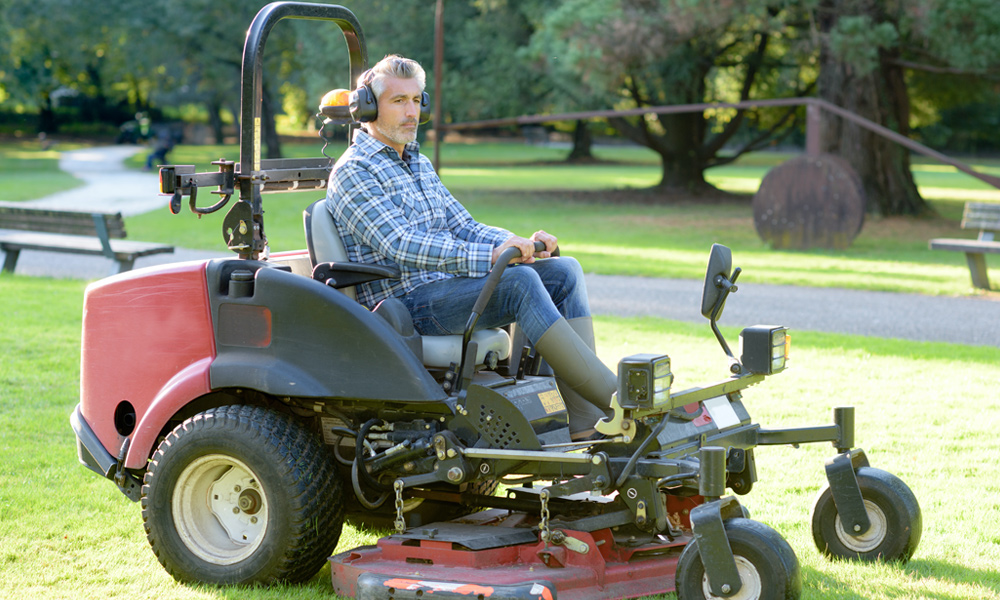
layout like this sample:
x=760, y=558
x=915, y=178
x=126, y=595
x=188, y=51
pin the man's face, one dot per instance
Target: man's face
x=398, y=112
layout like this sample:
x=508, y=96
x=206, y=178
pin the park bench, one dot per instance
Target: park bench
x=72, y=231
x=986, y=218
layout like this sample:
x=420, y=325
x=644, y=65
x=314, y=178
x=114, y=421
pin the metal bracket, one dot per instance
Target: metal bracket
x=561, y=538
x=620, y=423
x=713, y=545
x=129, y=484
x=840, y=472
x=238, y=228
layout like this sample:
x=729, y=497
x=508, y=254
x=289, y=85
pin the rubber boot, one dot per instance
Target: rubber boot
x=581, y=373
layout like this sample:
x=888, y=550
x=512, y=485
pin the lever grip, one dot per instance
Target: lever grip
x=494, y=277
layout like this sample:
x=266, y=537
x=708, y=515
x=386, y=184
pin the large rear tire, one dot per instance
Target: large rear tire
x=242, y=495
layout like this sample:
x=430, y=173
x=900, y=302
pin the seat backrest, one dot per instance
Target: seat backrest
x=325, y=245
x=322, y=239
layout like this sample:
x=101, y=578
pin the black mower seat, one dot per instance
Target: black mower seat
x=325, y=246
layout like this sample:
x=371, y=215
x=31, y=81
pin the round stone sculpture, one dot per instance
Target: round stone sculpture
x=810, y=202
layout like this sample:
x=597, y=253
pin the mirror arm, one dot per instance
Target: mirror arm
x=727, y=286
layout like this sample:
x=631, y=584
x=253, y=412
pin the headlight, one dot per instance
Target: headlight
x=644, y=381
x=765, y=348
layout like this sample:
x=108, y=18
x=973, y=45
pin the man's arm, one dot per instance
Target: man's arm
x=360, y=204
x=465, y=227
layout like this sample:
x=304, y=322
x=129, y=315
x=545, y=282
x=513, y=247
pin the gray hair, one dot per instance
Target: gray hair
x=394, y=65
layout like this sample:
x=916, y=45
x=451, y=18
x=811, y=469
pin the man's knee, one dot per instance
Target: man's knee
x=564, y=271
x=522, y=282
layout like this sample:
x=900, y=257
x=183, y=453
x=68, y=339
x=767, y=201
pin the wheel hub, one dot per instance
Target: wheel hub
x=750, y=588
x=869, y=540
x=220, y=509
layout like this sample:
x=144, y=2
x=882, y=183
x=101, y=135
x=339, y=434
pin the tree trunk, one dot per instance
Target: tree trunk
x=214, y=107
x=268, y=125
x=47, y=122
x=682, y=166
x=582, y=143
x=879, y=96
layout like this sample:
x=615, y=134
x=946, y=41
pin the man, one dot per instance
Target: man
x=391, y=208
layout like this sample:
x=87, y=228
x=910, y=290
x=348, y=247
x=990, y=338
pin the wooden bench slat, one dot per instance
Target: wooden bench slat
x=980, y=215
x=76, y=243
x=960, y=245
x=986, y=218
x=72, y=222
x=73, y=231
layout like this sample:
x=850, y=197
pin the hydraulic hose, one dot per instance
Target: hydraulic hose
x=359, y=461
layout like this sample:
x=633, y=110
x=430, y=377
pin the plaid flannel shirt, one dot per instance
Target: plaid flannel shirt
x=395, y=211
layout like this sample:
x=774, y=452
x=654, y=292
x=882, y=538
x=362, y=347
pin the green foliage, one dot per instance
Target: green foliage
x=964, y=34
x=858, y=41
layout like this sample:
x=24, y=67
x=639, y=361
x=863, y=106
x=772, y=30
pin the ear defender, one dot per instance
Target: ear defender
x=364, y=106
x=425, y=108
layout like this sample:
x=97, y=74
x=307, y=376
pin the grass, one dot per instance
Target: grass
x=616, y=231
x=27, y=171
x=611, y=229
x=927, y=412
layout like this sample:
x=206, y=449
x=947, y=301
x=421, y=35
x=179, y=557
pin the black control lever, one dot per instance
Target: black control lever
x=484, y=297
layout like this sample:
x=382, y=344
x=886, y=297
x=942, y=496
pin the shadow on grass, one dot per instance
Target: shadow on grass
x=920, y=571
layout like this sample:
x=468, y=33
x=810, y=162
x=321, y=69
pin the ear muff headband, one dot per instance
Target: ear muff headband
x=364, y=106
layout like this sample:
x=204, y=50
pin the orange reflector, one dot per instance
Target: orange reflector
x=337, y=97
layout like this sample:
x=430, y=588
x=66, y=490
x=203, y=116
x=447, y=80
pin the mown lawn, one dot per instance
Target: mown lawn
x=27, y=171
x=927, y=412
x=603, y=217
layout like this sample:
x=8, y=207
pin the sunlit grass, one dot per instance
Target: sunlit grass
x=27, y=171
x=927, y=412
x=524, y=188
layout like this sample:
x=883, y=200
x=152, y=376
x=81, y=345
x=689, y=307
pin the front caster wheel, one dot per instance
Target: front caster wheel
x=892, y=510
x=242, y=495
x=766, y=563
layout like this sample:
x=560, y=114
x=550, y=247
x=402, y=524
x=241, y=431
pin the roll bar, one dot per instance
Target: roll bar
x=243, y=227
x=251, y=179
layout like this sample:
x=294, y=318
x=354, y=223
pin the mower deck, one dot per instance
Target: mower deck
x=497, y=555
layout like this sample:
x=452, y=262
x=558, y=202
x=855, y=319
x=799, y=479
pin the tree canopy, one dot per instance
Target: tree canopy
x=926, y=67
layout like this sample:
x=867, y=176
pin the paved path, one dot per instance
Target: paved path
x=967, y=320
x=109, y=187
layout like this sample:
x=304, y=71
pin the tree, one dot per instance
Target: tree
x=639, y=53
x=205, y=38
x=873, y=53
x=55, y=49
x=858, y=71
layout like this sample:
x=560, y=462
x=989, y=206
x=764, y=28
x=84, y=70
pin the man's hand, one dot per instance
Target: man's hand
x=548, y=239
x=527, y=247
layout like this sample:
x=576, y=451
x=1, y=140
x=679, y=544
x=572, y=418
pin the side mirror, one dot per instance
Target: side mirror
x=717, y=282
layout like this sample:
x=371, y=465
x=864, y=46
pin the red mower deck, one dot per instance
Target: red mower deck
x=504, y=560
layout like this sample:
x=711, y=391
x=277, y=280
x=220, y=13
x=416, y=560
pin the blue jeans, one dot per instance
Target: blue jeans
x=535, y=296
